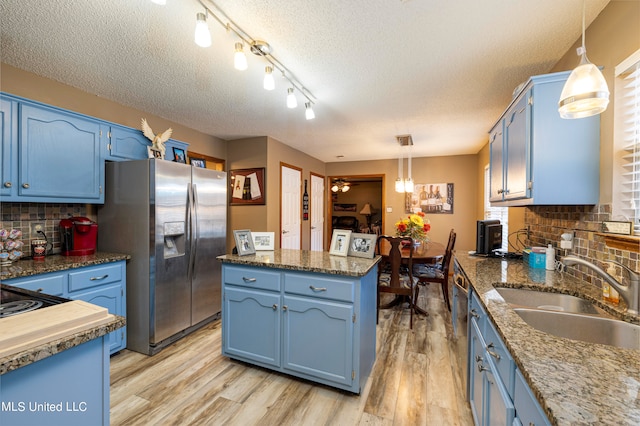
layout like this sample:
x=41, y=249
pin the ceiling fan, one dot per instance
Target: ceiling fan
x=340, y=185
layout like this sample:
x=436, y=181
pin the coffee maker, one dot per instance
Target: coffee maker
x=79, y=236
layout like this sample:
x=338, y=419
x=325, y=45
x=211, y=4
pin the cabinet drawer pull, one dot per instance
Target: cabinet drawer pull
x=482, y=368
x=474, y=314
x=275, y=307
x=40, y=290
x=7, y=184
x=98, y=278
x=492, y=353
x=26, y=185
x=317, y=288
x=248, y=280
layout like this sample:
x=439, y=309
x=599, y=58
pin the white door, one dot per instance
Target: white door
x=316, y=210
x=290, y=214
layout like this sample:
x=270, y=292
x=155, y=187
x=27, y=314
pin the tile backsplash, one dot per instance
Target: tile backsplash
x=22, y=215
x=547, y=223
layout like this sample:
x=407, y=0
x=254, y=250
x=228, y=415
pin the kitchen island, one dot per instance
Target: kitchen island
x=305, y=313
x=574, y=382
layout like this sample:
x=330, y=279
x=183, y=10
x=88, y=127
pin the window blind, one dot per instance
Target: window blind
x=628, y=109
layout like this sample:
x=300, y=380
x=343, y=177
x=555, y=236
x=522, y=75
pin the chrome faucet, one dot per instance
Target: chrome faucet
x=630, y=293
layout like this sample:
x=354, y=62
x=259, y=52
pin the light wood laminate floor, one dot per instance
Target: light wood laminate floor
x=415, y=381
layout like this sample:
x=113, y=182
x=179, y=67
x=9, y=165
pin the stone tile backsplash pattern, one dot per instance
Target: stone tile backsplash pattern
x=547, y=223
x=21, y=215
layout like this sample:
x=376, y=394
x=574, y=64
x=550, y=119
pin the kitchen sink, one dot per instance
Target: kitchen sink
x=586, y=328
x=547, y=301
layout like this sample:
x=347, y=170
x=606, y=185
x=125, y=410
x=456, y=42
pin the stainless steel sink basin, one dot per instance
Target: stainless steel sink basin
x=583, y=327
x=547, y=301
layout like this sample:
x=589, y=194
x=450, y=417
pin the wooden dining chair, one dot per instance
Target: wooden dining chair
x=438, y=273
x=394, y=276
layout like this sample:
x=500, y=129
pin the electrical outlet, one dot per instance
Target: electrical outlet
x=35, y=227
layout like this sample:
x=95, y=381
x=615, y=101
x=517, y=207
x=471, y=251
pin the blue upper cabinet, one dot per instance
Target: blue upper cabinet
x=541, y=158
x=59, y=156
x=8, y=146
x=126, y=143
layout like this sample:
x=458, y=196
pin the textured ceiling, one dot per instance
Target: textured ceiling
x=442, y=71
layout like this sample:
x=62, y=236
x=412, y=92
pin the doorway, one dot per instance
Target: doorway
x=344, y=207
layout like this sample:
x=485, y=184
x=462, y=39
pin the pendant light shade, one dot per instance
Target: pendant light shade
x=239, y=58
x=585, y=93
x=269, y=82
x=202, y=35
x=292, y=102
x=308, y=112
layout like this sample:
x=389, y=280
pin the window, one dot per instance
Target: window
x=499, y=213
x=626, y=183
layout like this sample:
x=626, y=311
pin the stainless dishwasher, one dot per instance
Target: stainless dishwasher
x=459, y=317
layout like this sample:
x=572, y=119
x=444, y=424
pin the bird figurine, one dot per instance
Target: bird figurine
x=159, y=139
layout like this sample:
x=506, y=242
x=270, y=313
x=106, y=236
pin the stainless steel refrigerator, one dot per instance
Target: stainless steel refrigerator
x=171, y=219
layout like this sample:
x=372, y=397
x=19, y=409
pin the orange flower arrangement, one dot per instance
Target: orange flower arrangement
x=415, y=225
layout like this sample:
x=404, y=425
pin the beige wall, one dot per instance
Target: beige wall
x=459, y=170
x=32, y=86
x=612, y=37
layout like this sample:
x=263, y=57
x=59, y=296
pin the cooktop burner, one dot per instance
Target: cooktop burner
x=14, y=301
x=18, y=307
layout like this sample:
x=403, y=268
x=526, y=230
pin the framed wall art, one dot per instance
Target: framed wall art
x=244, y=242
x=263, y=240
x=247, y=187
x=340, y=242
x=430, y=198
x=362, y=245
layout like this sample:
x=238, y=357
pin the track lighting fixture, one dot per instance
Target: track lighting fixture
x=239, y=59
x=292, y=102
x=269, y=82
x=258, y=47
x=202, y=36
x=308, y=112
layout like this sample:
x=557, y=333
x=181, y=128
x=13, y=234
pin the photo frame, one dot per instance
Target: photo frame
x=244, y=242
x=247, y=187
x=198, y=162
x=154, y=153
x=362, y=245
x=340, y=242
x=179, y=156
x=263, y=241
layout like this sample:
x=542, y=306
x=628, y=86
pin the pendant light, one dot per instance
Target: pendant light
x=239, y=58
x=202, y=35
x=585, y=93
x=292, y=102
x=308, y=112
x=269, y=82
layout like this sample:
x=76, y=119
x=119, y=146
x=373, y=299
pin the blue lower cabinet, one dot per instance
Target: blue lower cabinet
x=69, y=388
x=310, y=325
x=103, y=285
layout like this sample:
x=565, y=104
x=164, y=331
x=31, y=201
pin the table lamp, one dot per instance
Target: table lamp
x=366, y=210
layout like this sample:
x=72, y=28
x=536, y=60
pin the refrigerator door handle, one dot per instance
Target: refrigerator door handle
x=194, y=229
x=190, y=235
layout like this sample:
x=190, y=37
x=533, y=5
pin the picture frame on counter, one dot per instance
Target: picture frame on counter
x=263, y=241
x=362, y=245
x=340, y=242
x=154, y=153
x=179, y=156
x=244, y=242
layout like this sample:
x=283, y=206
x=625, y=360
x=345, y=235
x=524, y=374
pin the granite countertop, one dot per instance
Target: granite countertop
x=576, y=383
x=30, y=355
x=305, y=260
x=53, y=263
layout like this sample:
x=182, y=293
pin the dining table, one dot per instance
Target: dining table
x=427, y=253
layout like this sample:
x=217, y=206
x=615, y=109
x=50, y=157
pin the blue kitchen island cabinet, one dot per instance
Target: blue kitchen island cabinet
x=69, y=388
x=303, y=313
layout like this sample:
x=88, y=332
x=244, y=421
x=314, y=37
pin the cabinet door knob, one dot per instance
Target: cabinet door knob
x=25, y=185
x=275, y=307
x=7, y=184
x=285, y=307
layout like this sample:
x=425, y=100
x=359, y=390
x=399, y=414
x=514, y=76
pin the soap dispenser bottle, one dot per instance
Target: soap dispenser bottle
x=550, y=258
